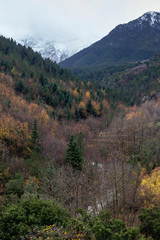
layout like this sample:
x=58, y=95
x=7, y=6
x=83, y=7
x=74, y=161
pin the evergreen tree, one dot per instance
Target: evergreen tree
x=35, y=134
x=68, y=113
x=150, y=222
x=82, y=113
x=74, y=154
x=43, y=81
x=20, y=86
x=101, y=107
x=23, y=74
x=90, y=108
x=35, y=155
x=77, y=115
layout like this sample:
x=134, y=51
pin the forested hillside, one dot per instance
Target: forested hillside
x=45, y=82
x=75, y=161
x=133, y=83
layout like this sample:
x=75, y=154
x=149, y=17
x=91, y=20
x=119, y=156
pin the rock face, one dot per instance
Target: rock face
x=134, y=41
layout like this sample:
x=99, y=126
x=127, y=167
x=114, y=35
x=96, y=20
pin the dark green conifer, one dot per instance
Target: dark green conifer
x=74, y=154
x=101, y=108
x=43, y=81
x=89, y=107
x=35, y=134
x=77, y=115
x=20, y=86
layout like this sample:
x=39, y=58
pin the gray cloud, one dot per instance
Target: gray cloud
x=62, y=20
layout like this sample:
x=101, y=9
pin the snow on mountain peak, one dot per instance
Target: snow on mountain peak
x=47, y=49
x=151, y=16
x=56, y=51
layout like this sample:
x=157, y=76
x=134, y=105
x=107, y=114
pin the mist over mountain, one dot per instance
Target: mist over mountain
x=133, y=41
x=55, y=50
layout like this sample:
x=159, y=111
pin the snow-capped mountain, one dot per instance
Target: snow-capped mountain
x=151, y=19
x=56, y=51
x=48, y=49
x=134, y=41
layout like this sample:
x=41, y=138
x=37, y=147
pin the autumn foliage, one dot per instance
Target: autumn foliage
x=150, y=188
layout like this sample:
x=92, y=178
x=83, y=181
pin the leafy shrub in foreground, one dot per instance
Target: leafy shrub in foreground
x=150, y=222
x=18, y=220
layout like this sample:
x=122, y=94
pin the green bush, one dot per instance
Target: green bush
x=102, y=231
x=104, y=227
x=18, y=220
x=150, y=222
x=38, y=218
x=13, y=223
x=15, y=186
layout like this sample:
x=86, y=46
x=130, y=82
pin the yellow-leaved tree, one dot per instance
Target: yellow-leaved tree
x=88, y=95
x=82, y=109
x=75, y=92
x=150, y=188
x=14, y=134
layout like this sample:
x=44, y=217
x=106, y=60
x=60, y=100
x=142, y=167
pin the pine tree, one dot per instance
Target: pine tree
x=77, y=115
x=101, y=108
x=74, y=154
x=43, y=81
x=35, y=134
x=90, y=108
x=20, y=86
x=35, y=155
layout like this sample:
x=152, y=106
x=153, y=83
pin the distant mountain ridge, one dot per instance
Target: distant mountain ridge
x=55, y=51
x=47, y=49
x=134, y=41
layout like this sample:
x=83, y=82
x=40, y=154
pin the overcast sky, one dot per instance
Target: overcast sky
x=62, y=20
